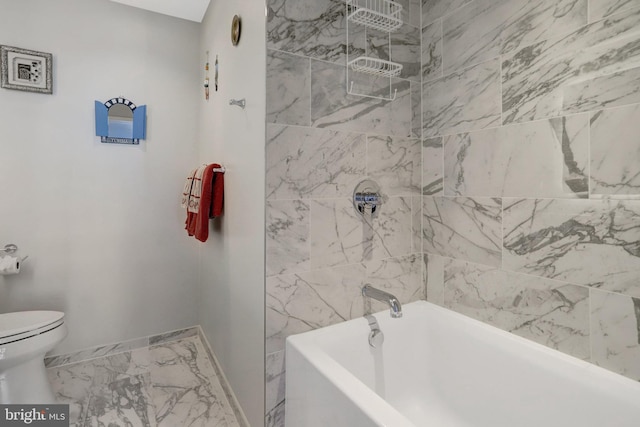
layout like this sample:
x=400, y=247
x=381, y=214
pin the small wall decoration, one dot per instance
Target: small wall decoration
x=120, y=121
x=236, y=29
x=27, y=70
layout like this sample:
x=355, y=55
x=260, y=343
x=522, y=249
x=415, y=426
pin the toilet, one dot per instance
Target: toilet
x=25, y=337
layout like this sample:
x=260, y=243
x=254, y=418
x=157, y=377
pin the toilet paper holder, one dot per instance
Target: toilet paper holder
x=9, y=249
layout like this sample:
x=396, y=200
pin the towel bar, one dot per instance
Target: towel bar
x=221, y=170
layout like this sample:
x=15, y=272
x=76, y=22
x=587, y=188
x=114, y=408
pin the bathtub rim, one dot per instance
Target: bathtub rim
x=308, y=345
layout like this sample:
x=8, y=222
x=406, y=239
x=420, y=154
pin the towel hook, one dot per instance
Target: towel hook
x=9, y=249
x=239, y=102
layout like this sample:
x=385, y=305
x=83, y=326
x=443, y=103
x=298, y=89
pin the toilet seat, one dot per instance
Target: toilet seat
x=26, y=324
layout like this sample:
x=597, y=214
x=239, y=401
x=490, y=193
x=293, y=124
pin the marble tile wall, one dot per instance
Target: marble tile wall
x=321, y=142
x=531, y=170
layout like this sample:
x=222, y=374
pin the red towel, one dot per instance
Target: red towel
x=211, y=202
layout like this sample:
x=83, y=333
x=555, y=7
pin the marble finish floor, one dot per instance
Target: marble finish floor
x=172, y=384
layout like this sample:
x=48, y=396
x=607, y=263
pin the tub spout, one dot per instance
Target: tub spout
x=377, y=294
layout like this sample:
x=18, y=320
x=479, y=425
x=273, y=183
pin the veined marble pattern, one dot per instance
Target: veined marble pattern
x=395, y=164
x=599, y=9
x=463, y=228
x=275, y=380
x=340, y=235
x=484, y=29
x=405, y=49
x=615, y=151
x=130, y=388
x=534, y=79
x=288, y=249
x=432, y=51
x=585, y=242
x=275, y=417
x=435, y=9
x=305, y=301
x=184, y=387
x=434, y=278
x=411, y=11
x=550, y=313
x=432, y=173
x=546, y=158
x=307, y=163
x=288, y=89
x=313, y=28
x=416, y=109
x=122, y=402
x=416, y=224
x=332, y=108
x=615, y=328
x=462, y=101
x=621, y=88
x=123, y=347
x=401, y=276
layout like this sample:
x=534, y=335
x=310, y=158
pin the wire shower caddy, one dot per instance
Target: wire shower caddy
x=381, y=15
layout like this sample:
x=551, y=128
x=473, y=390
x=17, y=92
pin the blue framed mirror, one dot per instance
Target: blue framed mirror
x=120, y=121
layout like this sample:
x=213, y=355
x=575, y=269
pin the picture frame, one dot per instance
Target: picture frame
x=26, y=70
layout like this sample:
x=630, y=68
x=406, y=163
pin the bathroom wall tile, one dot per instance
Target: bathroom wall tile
x=395, y=164
x=332, y=108
x=304, y=163
x=184, y=388
x=275, y=417
x=288, y=89
x=615, y=328
x=534, y=79
x=122, y=402
x=275, y=380
x=463, y=228
x=434, y=278
x=305, y=301
x=547, y=158
x=599, y=9
x=338, y=233
x=416, y=109
x=432, y=51
x=288, y=249
x=401, y=277
x=405, y=49
x=484, y=29
x=435, y=9
x=585, y=242
x=174, y=335
x=411, y=11
x=391, y=230
x=463, y=101
x=432, y=173
x=313, y=28
x=545, y=311
x=615, y=168
x=416, y=224
x=621, y=88
x=95, y=352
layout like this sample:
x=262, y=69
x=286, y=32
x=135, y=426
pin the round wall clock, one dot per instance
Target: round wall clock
x=236, y=28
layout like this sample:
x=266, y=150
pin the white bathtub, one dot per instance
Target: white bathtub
x=439, y=368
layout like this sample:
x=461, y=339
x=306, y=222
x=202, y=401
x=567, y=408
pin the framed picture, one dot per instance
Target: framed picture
x=27, y=70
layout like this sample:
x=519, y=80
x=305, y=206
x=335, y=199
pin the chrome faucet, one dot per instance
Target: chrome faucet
x=377, y=294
